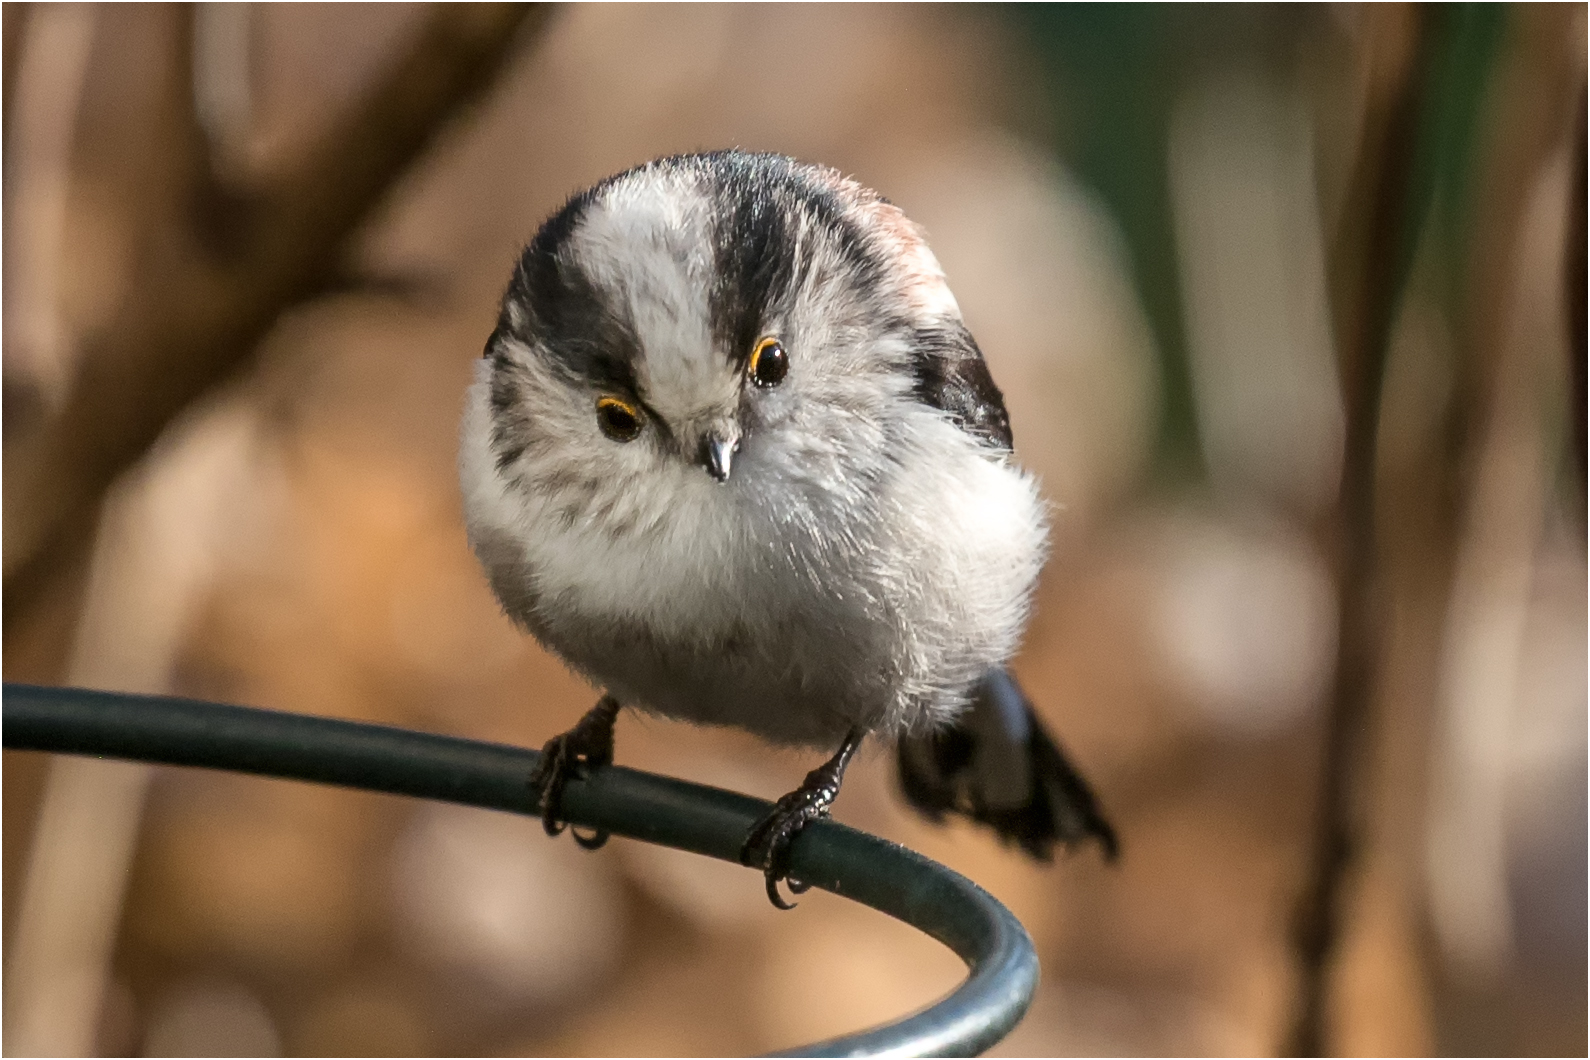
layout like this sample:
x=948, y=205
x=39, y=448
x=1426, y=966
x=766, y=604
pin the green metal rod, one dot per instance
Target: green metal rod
x=655, y=809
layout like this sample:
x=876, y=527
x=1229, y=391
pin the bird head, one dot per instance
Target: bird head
x=733, y=321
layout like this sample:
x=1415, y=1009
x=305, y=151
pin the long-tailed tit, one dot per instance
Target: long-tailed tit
x=732, y=454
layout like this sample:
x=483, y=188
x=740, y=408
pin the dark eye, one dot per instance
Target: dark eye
x=618, y=419
x=768, y=363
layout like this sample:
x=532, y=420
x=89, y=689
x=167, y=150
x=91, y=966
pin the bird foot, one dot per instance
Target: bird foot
x=768, y=845
x=589, y=745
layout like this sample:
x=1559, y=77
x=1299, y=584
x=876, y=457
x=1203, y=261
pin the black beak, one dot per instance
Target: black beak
x=717, y=453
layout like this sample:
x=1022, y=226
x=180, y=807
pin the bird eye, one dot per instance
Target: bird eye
x=618, y=419
x=768, y=363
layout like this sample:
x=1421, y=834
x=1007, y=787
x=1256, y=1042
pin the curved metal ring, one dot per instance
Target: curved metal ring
x=655, y=809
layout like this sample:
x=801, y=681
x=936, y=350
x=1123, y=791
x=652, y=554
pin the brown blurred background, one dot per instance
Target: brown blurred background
x=251, y=253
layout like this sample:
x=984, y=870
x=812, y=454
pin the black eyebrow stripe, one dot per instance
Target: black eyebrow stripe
x=589, y=336
x=761, y=204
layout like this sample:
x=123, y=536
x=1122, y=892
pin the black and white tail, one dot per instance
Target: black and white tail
x=998, y=766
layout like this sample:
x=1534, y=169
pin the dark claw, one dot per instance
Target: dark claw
x=548, y=781
x=589, y=745
x=595, y=841
x=768, y=844
x=773, y=895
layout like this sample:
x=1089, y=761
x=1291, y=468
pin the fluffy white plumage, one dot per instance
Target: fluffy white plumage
x=869, y=558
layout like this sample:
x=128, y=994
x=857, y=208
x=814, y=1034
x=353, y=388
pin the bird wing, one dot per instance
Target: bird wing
x=998, y=766
x=952, y=376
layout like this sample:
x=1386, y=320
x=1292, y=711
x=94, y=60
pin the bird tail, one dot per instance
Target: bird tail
x=998, y=766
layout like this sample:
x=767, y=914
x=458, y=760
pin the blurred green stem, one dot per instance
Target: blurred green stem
x=1114, y=70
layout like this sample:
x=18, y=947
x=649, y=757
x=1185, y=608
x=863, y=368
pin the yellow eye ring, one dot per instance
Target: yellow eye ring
x=768, y=363
x=619, y=420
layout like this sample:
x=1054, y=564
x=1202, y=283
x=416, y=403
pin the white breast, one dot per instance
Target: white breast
x=793, y=624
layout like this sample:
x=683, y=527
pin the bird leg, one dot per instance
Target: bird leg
x=769, y=842
x=586, y=746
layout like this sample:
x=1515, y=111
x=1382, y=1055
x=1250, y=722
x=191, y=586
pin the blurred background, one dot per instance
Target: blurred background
x=1288, y=305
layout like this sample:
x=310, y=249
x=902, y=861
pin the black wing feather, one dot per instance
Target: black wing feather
x=1006, y=772
x=952, y=376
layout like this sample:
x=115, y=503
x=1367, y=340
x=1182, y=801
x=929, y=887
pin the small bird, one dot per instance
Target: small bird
x=732, y=454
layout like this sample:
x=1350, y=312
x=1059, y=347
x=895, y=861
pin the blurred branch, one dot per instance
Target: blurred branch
x=1425, y=74
x=211, y=285
x=1574, y=305
x=13, y=32
x=1503, y=471
x=1364, y=283
x=47, y=72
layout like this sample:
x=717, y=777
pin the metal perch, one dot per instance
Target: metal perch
x=654, y=809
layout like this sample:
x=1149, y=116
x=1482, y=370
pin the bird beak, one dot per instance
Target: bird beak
x=717, y=453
